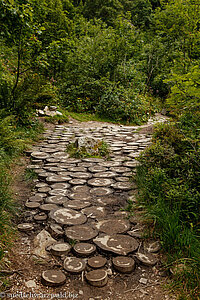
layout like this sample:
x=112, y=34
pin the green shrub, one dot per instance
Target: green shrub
x=169, y=187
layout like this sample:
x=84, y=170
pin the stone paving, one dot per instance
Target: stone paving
x=76, y=206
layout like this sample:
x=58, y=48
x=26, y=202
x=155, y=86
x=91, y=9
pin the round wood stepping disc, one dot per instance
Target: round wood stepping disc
x=123, y=264
x=97, y=168
x=109, y=164
x=48, y=207
x=113, y=226
x=77, y=181
x=81, y=175
x=81, y=189
x=53, y=278
x=98, y=182
x=81, y=233
x=43, y=175
x=125, y=186
x=146, y=258
x=102, y=191
x=41, y=184
x=153, y=247
x=36, y=199
x=57, y=192
x=39, y=155
x=67, y=216
x=97, y=262
x=77, y=169
x=93, y=159
x=44, y=189
x=59, y=200
x=86, y=165
x=25, y=227
x=73, y=161
x=120, y=169
x=131, y=164
x=56, y=230
x=60, y=186
x=94, y=212
x=118, y=244
x=54, y=169
x=32, y=205
x=80, y=196
x=76, y=204
x=60, y=249
x=74, y=265
x=107, y=174
x=122, y=179
x=40, y=217
x=97, y=278
x=84, y=249
x=57, y=178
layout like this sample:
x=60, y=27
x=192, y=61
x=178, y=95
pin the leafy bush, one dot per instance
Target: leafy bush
x=168, y=181
x=123, y=106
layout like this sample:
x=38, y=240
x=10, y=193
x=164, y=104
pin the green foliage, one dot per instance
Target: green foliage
x=30, y=175
x=100, y=150
x=57, y=119
x=168, y=181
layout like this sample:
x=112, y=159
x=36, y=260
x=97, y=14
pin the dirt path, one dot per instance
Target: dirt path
x=75, y=212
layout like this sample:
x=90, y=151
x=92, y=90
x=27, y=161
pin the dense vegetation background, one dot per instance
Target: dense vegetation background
x=121, y=60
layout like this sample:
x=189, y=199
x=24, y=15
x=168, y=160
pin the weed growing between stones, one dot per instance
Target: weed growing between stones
x=98, y=151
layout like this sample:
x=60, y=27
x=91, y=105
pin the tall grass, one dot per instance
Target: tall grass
x=14, y=138
x=169, y=188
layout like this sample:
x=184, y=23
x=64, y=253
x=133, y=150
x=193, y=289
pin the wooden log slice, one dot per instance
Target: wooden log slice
x=107, y=174
x=84, y=249
x=61, y=185
x=44, y=189
x=59, y=200
x=67, y=216
x=74, y=265
x=97, y=262
x=81, y=175
x=97, y=168
x=48, y=207
x=113, y=226
x=80, y=233
x=56, y=230
x=120, y=169
x=109, y=164
x=25, y=227
x=39, y=155
x=102, y=191
x=60, y=249
x=94, y=211
x=77, y=181
x=125, y=186
x=40, y=217
x=146, y=258
x=97, y=278
x=57, y=179
x=53, y=278
x=81, y=189
x=80, y=196
x=61, y=192
x=100, y=182
x=118, y=244
x=93, y=159
x=32, y=205
x=123, y=264
x=76, y=204
x=35, y=199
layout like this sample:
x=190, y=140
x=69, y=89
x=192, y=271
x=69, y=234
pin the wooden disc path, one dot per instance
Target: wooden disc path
x=76, y=214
